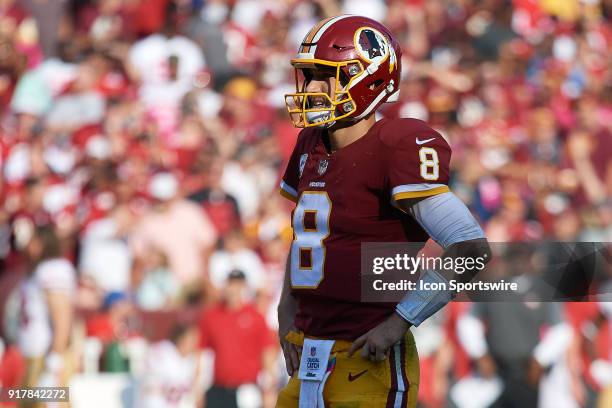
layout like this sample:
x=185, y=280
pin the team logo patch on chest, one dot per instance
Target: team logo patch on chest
x=323, y=164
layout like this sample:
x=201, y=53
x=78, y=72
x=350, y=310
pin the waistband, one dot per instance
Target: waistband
x=297, y=338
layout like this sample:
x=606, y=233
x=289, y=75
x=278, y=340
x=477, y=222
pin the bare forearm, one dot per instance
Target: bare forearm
x=269, y=369
x=60, y=310
x=417, y=40
x=594, y=188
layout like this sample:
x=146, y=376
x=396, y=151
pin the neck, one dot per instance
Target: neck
x=233, y=304
x=342, y=136
x=182, y=350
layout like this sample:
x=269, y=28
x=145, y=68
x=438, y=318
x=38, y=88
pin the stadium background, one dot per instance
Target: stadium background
x=151, y=136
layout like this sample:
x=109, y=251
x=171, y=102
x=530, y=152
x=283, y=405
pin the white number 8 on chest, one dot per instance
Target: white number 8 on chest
x=310, y=227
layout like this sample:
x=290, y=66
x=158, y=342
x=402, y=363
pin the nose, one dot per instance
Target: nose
x=315, y=86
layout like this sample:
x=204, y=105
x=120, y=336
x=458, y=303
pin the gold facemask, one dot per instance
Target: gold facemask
x=340, y=106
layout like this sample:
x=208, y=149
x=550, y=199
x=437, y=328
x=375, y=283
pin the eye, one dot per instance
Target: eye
x=308, y=74
x=322, y=72
x=322, y=76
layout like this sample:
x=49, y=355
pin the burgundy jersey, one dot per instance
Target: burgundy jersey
x=346, y=198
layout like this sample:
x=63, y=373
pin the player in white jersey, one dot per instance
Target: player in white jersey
x=46, y=310
x=170, y=376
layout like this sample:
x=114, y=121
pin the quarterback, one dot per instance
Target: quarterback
x=354, y=180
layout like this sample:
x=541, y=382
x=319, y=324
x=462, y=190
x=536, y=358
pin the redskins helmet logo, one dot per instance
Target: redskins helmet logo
x=371, y=45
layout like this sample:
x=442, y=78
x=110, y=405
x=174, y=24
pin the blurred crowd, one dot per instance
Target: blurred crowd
x=142, y=142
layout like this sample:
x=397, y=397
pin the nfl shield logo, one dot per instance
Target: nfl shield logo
x=313, y=351
x=323, y=163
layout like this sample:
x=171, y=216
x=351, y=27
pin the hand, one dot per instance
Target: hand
x=291, y=352
x=375, y=344
x=486, y=366
x=199, y=400
x=534, y=372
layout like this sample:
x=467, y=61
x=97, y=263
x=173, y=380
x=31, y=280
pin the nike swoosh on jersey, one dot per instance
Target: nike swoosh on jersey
x=420, y=142
x=352, y=377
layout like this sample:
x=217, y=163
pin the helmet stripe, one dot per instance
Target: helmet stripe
x=310, y=42
x=327, y=24
x=315, y=29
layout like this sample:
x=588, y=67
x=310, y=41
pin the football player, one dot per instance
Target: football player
x=354, y=180
x=46, y=311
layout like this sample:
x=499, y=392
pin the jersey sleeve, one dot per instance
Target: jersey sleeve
x=289, y=182
x=419, y=166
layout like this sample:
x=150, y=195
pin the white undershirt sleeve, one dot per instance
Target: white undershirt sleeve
x=446, y=219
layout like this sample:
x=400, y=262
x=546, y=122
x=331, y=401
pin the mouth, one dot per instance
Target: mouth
x=317, y=103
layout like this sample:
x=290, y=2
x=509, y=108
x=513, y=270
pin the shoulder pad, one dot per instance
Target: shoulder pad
x=402, y=133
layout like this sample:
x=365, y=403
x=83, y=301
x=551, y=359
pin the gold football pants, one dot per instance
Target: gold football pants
x=359, y=383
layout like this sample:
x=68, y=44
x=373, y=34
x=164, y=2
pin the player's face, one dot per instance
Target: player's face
x=320, y=90
x=321, y=80
x=321, y=84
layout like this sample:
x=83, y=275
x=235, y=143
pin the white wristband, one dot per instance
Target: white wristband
x=54, y=362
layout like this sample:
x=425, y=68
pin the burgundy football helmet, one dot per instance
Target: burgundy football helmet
x=366, y=59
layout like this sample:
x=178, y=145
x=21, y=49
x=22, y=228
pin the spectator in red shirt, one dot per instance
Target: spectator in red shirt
x=242, y=342
x=12, y=365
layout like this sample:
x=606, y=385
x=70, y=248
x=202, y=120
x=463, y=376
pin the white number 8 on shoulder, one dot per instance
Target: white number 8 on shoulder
x=430, y=168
